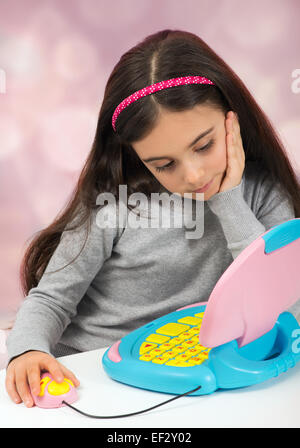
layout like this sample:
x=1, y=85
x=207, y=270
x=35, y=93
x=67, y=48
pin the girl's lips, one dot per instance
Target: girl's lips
x=203, y=189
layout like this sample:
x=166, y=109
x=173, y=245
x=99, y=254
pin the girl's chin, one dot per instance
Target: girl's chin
x=207, y=194
x=202, y=196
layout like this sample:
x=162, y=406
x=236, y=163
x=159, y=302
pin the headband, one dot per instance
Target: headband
x=154, y=88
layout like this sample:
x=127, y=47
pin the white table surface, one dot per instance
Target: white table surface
x=274, y=403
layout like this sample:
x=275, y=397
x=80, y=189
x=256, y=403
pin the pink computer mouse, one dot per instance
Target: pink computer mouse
x=52, y=394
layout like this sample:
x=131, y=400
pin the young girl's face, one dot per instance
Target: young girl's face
x=181, y=161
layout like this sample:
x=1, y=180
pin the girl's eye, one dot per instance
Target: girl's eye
x=162, y=168
x=171, y=164
x=208, y=145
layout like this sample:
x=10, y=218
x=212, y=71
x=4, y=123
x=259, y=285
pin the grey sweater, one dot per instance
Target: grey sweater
x=126, y=277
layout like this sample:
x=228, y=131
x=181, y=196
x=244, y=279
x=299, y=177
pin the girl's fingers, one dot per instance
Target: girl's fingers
x=34, y=378
x=234, y=153
x=234, y=128
x=58, y=371
x=228, y=123
x=10, y=385
x=230, y=128
x=53, y=367
x=231, y=153
x=235, y=136
x=71, y=376
x=23, y=375
x=23, y=389
x=237, y=131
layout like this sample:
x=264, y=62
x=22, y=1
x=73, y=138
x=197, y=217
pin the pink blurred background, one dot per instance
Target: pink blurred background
x=55, y=58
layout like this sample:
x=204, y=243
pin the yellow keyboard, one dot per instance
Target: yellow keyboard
x=154, y=356
x=176, y=344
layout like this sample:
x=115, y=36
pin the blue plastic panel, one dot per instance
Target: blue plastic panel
x=282, y=235
x=227, y=366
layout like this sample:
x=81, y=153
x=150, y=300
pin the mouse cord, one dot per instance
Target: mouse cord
x=133, y=413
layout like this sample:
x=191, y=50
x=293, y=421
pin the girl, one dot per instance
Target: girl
x=175, y=118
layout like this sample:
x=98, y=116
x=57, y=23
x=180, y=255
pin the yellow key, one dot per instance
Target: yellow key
x=188, y=344
x=192, y=331
x=183, y=364
x=191, y=363
x=193, y=351
x=190, y=320
x=181, y=337
x=200, y=315
x=198, y=360
x=159, y=339
x=175, y=363
x=176, y=341
x=169, y=354
x=179, y=349
x=172, y=329
x=158, y=351
x=167, y=346
x=195, y=338
x=195, y=331
x=58, y=388
x=160, y=360
x=147, y=357
x=201, y=347
x=43, y=384
x=186, y=334
x=172, y=363
x=146, y=347
x=183, y=357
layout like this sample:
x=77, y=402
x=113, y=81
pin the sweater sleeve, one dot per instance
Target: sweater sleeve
x=244, y=220
x=49, y=307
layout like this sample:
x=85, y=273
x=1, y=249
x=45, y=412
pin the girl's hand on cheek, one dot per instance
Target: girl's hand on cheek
x=235, y=153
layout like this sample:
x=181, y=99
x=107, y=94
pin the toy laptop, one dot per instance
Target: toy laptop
x=241, y=336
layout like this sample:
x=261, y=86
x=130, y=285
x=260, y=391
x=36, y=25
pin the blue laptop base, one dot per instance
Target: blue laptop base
x=224, y=367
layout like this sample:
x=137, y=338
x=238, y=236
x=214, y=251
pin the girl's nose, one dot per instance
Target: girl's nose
x=194, y=176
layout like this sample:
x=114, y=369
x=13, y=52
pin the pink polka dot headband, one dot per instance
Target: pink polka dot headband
x=154, y=88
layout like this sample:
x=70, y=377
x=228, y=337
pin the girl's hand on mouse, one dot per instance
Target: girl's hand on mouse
x=23, y=375
x=235, y=153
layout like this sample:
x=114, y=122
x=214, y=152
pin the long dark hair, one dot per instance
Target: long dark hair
x=112, y=160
